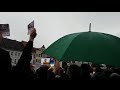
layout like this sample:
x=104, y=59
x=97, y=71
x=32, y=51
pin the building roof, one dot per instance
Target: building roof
x=43, y=47
x=34, y=49
x=11, y=44
x=16, y=45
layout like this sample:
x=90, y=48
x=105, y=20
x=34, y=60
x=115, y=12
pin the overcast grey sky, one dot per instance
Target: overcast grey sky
x=51, y=26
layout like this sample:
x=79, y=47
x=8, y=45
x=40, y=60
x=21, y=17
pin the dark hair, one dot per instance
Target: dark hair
x=74, y=71
x=86, y=69
x=42, y=72
x=98, y=69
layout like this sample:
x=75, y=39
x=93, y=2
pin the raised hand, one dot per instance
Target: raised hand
x=33, y=34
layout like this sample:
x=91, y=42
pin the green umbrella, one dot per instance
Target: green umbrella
x=93, y=47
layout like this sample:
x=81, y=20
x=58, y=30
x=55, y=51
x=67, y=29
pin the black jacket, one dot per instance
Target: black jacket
x=5, y=64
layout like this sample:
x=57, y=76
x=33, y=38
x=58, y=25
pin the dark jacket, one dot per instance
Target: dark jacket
x=5, y=66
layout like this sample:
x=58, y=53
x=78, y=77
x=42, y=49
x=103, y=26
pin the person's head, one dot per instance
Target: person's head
x=98, y=69
x=115, y=76
x=42, y=72
x=85, y=70
x=73, y=71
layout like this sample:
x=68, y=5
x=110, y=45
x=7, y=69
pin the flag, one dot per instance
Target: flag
x=30, y=27
x=4, y=29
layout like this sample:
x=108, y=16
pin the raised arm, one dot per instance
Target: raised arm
x=25, y=58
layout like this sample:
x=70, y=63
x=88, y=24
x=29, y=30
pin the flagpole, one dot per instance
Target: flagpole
x=90, y=27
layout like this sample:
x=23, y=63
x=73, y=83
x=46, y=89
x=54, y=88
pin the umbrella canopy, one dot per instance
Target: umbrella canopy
x=93, y=47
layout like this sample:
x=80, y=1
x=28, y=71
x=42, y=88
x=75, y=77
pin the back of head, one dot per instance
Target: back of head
x=98, y=69
x=73, y=72
x=86, y=69
x=115, y=76
x=42, y=72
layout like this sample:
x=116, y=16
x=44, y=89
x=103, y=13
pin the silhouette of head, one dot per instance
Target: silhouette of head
x=73, y=72
x=42, y=72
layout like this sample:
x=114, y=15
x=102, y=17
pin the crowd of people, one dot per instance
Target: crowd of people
x=23, y=70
